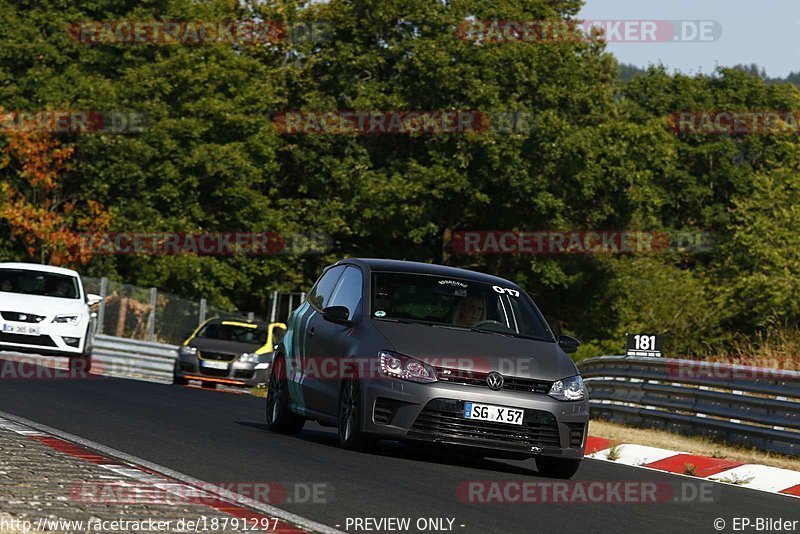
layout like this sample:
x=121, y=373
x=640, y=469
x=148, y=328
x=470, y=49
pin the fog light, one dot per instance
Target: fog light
x=72, y=341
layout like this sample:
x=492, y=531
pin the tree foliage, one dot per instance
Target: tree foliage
x=600, y=155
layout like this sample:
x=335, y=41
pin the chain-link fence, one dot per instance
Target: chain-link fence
x=149, y=314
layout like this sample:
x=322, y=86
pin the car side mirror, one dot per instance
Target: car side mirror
x=337, y=314
x=92, y=299
x=568, y=343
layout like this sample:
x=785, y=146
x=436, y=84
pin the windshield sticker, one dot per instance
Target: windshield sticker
x=461, y=292
x=380, y=313
x=453, y=283
x=506, y=290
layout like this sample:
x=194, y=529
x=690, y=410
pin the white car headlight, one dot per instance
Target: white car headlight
x=406, y=368
x=568, y=389
x=68, y=318
x=249, y=357
x=186, y=350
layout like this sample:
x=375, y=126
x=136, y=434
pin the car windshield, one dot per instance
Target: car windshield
x=458, y=303
x=39, y=283
x=236, y=332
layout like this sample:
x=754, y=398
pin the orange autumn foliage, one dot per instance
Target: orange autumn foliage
x=48, y=226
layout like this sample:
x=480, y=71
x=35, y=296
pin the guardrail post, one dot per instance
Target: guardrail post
x=151, y=321
x=251, y=316
x=274, y=310
x=302, y=297
x=101, y=311
x=202, y=316
x=289, y=310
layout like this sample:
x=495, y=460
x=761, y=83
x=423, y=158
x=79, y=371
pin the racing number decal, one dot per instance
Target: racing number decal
x=506, y=290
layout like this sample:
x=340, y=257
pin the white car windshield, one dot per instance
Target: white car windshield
x=38, y=283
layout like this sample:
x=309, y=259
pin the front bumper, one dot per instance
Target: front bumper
x=51, y=340
x=433, y=413
x=236, y=373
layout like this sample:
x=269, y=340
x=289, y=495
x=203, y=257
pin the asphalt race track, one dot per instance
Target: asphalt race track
x=219, y=437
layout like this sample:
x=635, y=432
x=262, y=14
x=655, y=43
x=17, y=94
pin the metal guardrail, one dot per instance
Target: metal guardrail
x=132, y=358
x=750, y=406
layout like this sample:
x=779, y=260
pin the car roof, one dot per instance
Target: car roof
x=376, y=264
x=38, y=267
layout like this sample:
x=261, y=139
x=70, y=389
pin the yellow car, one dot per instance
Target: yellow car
x=225, y=351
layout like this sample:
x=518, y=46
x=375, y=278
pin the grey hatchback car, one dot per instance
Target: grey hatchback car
x=425, y=353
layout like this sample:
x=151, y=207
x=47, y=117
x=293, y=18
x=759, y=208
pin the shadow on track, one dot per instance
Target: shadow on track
x=425, y=453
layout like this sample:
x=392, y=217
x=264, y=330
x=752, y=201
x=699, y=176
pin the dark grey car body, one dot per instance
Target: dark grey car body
x=428, y=412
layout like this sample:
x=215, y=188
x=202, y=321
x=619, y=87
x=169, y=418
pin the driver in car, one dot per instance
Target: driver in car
x=469, y=312
x=62, y=289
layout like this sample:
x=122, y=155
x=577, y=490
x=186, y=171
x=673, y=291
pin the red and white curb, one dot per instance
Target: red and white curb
x=140, y=470
x=752, y=476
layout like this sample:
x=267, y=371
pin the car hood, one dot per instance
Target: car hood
x=463, y=349
x=223, y=347
x=39, y=305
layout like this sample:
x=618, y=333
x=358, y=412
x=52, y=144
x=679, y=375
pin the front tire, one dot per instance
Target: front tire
x=557, y=467
x=351, y=436
x=279, y=416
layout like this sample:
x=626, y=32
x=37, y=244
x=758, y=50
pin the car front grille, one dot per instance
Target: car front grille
x=217, y=373
x=576, y=435
x=244, y=374
x=41, y=340
x=21, y=317
x=475, y=378
x=442, y=420
x=384, y=410
x=216, y=356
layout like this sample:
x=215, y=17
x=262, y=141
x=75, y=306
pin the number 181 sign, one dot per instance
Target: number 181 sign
x=643, y=345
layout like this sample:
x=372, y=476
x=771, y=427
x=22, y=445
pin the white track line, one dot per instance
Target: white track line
x=166, y=471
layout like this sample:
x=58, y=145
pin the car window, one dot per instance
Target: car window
x=233, y=332
x=320, y=294
x=39, y=283
x=277, y=335
x=460, y=303
x=348, y=290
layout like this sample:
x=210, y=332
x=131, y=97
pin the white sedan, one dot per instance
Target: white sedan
x=45, y=310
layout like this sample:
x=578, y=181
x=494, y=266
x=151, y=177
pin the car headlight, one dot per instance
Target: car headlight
x=68, y=318
x=248, y=357
x=186, y=350
x=405, y=368
x=568, y=389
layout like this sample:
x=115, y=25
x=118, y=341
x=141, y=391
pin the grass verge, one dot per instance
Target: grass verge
x=691, y=444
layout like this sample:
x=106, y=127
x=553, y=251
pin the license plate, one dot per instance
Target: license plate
x=214, y=365
x=24, y=329
x=489, y=412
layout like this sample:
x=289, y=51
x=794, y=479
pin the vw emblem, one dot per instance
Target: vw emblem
x=494, y=380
